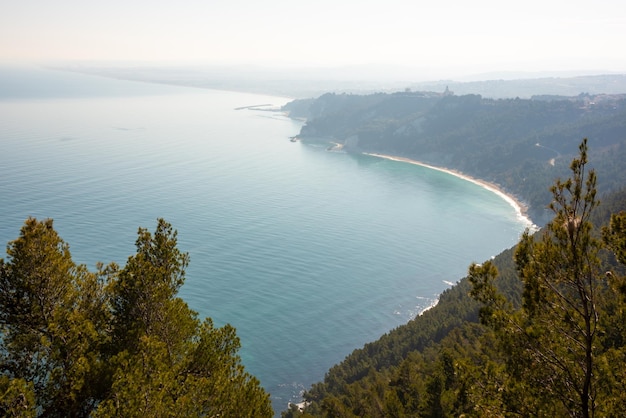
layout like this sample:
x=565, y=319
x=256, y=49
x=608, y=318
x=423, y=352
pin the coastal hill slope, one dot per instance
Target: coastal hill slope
x=522, y=145
x=444, y=362
x=454, y=361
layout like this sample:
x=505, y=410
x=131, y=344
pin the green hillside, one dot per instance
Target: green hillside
x=521, y=145
x=538, y=330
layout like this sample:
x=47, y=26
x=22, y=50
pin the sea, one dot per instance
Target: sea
x=308, y=253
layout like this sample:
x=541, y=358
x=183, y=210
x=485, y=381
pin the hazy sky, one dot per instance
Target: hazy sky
x=457, y=36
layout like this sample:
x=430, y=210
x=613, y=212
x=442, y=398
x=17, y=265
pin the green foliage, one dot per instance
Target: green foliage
x=143, y=292
x=113, y=343
x=17, y=398
x=615, y=236
x=481, y=278
x=556, y=344
x=51, y=329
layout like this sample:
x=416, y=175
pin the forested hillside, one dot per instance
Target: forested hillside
x=537, y=331
x=522, y=145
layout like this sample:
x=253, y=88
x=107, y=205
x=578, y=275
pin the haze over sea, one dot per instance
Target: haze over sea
x=308, y=253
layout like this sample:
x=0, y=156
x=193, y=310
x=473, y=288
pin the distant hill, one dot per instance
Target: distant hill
x=526, y=88
x=520, y=144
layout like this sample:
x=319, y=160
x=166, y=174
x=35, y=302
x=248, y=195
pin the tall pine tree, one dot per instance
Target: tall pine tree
x=555, y=341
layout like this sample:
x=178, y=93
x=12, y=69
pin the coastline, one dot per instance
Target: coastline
x=521, y=209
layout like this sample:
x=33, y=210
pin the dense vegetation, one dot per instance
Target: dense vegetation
x=537, y=331
x=112, y=343
x=522, y=145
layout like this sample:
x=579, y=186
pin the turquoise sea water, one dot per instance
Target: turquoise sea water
x=308, y=253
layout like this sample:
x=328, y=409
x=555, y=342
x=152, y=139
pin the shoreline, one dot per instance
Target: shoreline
x=521, y=209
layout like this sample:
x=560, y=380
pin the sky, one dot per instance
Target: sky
x=445, y=36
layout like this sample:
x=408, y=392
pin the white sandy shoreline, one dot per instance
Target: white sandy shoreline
x=519, y=207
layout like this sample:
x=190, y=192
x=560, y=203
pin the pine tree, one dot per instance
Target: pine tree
x=53, y=315
x=553, y=341
x=116, y=343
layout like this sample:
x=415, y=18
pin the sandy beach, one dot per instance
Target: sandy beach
x=520, y=208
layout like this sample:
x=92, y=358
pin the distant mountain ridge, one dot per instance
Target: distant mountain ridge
x=529, y=87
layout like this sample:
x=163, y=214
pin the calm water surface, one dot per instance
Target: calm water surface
x=308, y=253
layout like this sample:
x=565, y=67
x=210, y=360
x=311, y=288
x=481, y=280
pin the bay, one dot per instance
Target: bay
x=308, y=253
